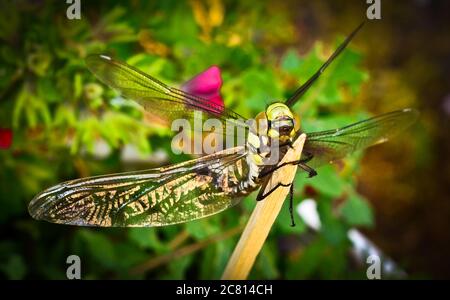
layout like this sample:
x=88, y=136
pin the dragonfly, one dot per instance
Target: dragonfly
x=207, y=185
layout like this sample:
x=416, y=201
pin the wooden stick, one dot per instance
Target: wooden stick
x=263, y=217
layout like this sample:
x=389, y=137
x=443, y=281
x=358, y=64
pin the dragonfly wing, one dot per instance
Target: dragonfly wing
x=155, y=197
x=157, y=98
x=331, y=145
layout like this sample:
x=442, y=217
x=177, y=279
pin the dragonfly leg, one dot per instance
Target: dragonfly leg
x=308, y=157
x=268, y=172
x=291, y=204
x=295, y=162
x=263, y=196
x=289, y=143
x=311, y=171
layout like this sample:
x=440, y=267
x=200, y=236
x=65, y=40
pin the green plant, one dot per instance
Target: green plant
x=59, y=112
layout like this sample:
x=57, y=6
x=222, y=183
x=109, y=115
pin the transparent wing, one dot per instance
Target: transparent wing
x=157, y=98
x=155, y=197
x=330, y=145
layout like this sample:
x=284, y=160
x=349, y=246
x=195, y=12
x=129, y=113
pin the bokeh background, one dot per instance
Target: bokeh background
x=67, y=125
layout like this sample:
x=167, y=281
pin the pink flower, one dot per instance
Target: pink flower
x=5, y=138
x=207, y=85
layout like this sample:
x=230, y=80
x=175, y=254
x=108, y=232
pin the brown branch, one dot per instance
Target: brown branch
x=179, y=240
x=186, y=250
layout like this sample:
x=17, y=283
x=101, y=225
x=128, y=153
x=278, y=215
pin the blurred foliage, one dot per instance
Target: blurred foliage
x=60, y=113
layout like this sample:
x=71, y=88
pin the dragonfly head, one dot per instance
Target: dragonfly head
x=282, y=123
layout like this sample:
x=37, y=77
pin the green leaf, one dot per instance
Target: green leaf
x=178, y=267
x=291, y=62
x=266, y=262
x=47, y=90
x=328, y=182
x=260, y=88
x=356, y=211
x=77, y=85
x=283, y=221
x=130, y=256
x=206, y=270
x=99, y=246
x=333, y=230
x=147, y=239
x=14, y=267
x=201, y=229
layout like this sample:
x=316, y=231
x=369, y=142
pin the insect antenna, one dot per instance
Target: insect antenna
x=304, y=87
